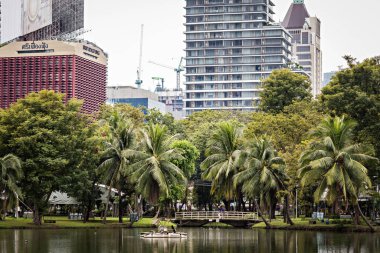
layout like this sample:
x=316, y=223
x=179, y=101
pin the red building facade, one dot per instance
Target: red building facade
x=77, y=69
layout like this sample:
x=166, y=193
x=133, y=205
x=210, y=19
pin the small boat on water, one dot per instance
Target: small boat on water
x=154, y=234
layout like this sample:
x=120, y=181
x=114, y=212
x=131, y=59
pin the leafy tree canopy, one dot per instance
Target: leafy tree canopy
x=190, y=155
x=282, y=88
x=355, y=91
x=48, y=135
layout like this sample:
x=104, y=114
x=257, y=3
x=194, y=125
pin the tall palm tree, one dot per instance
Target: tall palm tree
x=11, y=173
x=221, y=163
x=263, y=175
x=117, y=155
x=336, y=163
x=153, y=171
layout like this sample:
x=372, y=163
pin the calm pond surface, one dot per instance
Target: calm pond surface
x=199, y=241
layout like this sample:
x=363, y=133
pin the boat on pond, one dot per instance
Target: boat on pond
x=153, y=234
x=163, y=233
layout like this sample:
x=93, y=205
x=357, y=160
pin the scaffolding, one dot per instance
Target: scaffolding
x=68, y=21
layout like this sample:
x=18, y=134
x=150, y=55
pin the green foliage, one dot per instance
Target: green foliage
x=355, y=91
x=335, y=162
x=131, y=113
x=282, y=88
x=155, y=117
x=11, y=173
x=154, y=172
x=49, y=137
x=221, y=163
x=119, y=152
x=190, y=155
x=263, y=172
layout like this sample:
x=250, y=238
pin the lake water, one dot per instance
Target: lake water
x=199, y=241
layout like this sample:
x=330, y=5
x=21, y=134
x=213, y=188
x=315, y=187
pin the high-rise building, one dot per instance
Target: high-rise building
x=78, y=69
x=306, y=42
x=230, y=46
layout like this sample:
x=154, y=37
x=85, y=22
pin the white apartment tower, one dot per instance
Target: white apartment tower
x=231, y=45
x=306, y=42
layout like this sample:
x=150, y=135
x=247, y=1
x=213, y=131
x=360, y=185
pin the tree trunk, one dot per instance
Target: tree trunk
x=158, y=213
x=87, y=212
x=139, y=204
x=37, y=217
x=120, y=208
x=108, y=200
x=3, y=209
x=261, y=214
x=359, y=211
x=287, y=218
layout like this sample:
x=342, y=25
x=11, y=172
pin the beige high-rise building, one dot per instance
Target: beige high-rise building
x=306, y=42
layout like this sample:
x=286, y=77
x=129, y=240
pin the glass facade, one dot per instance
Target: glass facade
x=231, y=45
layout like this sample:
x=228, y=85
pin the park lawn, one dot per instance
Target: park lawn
x=64, y=222
x=303, y=224
x=217, y=225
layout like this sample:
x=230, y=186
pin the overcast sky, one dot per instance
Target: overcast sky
x=348, y=27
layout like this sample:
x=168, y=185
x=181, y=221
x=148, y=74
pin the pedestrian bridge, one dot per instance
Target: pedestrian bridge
x=200, y=218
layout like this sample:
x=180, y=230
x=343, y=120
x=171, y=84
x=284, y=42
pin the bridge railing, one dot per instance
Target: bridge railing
x=213, y=215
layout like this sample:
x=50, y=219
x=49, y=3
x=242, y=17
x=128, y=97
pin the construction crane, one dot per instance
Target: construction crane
x=159, y=87
x=178, y=71
x=139, y=81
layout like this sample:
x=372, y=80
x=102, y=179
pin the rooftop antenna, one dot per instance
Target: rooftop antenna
x=139, y=81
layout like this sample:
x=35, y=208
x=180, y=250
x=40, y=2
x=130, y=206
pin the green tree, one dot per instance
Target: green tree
x=47, y=134
x=11, y=173
x=190, y=155
x=282, y=88
x=336, y=163
x=355, y=91
x=187, y=164
x=83, y=184
x=155, y=117
x=221, y=163
x=117, y=155
x=263, y=176
x=131, y=113
x=154, y=172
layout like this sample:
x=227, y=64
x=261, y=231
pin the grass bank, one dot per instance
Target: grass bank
x=303, y=224
x=217, y=225
x=64, y=222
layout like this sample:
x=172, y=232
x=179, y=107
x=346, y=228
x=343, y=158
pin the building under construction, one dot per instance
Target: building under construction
x=68, y=19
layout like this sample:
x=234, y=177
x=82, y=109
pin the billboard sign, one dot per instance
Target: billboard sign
x=20, y=17
x=36, y=15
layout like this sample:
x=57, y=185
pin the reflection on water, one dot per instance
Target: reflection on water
x=199, y=241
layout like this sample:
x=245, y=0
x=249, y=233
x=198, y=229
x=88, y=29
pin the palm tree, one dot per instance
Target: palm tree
x=221, y=163
x=263, y=175
x=336, y=163
x=117, y=155
x=11, y=173
x=153, y=171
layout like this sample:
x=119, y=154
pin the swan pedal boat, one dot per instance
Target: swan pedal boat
x=153, y=234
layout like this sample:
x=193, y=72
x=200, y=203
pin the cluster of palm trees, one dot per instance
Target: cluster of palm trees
x=147, y=163
x=237, y=168
x=253, y=168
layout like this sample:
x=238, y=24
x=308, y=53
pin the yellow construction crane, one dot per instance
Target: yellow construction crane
x=178, y=70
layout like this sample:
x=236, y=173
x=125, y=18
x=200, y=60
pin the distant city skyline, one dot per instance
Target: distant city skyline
x=116, y=29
